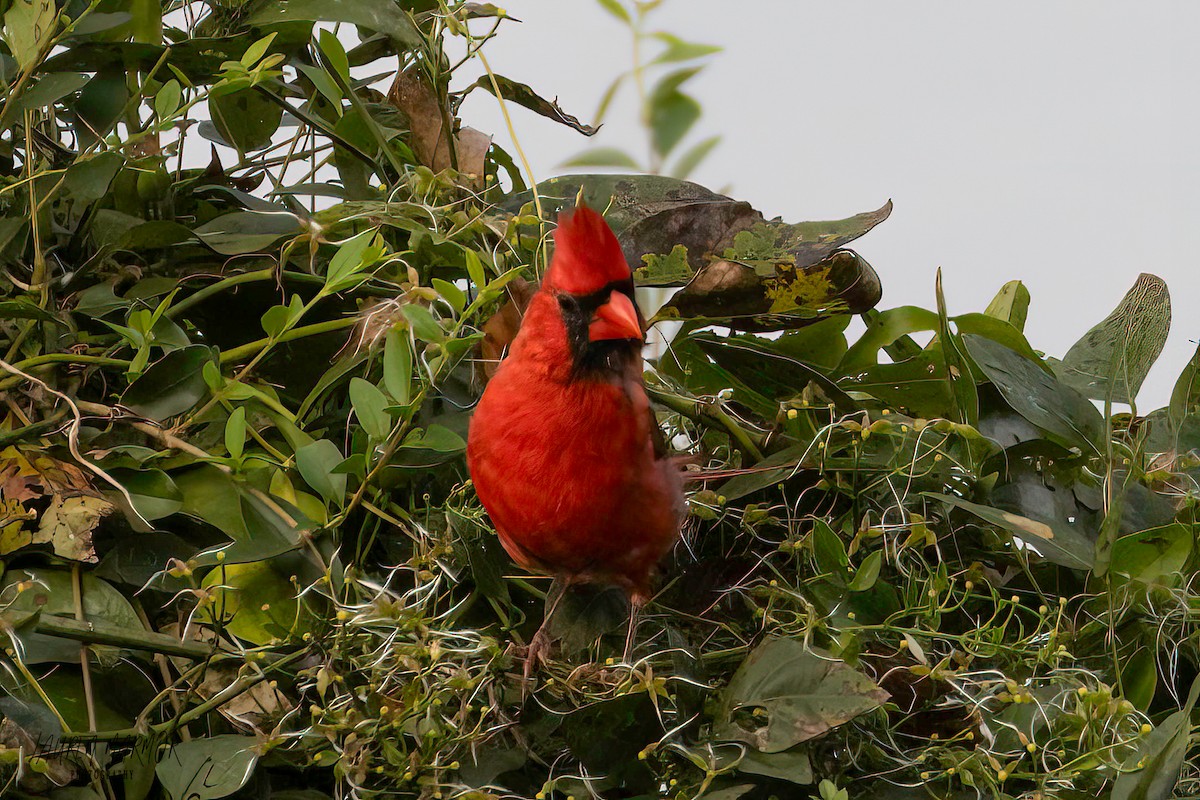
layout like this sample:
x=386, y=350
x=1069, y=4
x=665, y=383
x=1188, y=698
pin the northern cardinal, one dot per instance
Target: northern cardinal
x=564, y=449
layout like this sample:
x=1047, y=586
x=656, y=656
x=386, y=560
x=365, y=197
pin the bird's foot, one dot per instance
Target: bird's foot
x=536, y=652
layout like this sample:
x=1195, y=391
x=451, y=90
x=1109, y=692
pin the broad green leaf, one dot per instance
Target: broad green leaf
x=257, y=50
x=1039, y=397
x=615, y=8
x=235, y=432
x=278, y=319
x=695, y=154
x=242, y=232
x=245, y=119
x=1112, y=359
x=887, y=327
x=28, y=26
x=438, y=438
x=209, y=767
x=423, y=324
x=383, y=16
x=49, y=90
x=332, y=48
x=805, y=693
x=1161, y=753
x=370, y=406
x=867, y=573
x=679, y=50
x=154, y=494
x=1010, y=304
x=51, y=592
x=315, y=463
x=1058, y=543
x=253, y=602
x=397, y=367
x=1156, y=556
x=672, y=115
x=353, y=256
x=170, y=386
x=166, y=101
x=602, y=157
x=451, y=294
x=829, y=552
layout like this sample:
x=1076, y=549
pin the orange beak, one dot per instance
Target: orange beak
x=616, y=319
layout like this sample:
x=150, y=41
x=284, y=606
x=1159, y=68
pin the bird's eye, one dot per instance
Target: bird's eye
x=568, y=303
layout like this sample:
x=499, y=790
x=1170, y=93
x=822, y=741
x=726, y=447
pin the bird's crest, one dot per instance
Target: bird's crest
x=587, y=255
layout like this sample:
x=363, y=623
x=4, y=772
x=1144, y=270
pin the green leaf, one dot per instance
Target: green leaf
x=1156, y=556
x=1058, y=543
x=1139, y=678
x=688, y=162
x=332, y=48
x=154, y=494
x=437, y=438
x=1162, y=752
x=883, y=330
x=28, y=25
x=244, y=118
x=209, y=767
x=1112, y=359
x=382, y=16
x=1039, y=397
x=253, y=602
x=867, y=573
x=423, y=324
x=603, y=157
x=235, y=432
x=397, y=367
x=88, y=180
x=829, y=552
x=52, y=592
x=278, y=319
x=170, y=386
x=672, y=115
x=451, y=294
x=353, y=256
x=370, y=406
x=1010, y=304
x=257, y=50
x=242, y=232
x=49, y=90
x=315, y=463
x=167, y=99
x=615, y=8
x=679, y=50
x=804, y=693
x=787, y=765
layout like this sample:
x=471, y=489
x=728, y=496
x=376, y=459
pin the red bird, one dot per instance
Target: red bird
x=564, y=449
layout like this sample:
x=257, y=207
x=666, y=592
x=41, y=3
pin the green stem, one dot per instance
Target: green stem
x=97, y=632
x=238, y=687
x=60, y=358
x=697, y=411
x=251, y=348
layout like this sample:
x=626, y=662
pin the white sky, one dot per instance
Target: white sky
x=1052, y=142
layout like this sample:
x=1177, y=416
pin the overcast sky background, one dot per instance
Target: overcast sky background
x=1051, y=142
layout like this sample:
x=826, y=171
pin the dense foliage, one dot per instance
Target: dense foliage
x=241, y=554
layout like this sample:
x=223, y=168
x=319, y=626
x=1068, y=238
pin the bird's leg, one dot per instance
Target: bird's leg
x=636, y=601
x=539, y=645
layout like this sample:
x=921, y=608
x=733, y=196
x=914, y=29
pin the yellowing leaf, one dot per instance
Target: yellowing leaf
x=68, y=524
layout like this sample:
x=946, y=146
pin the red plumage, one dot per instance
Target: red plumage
x=562, y=447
